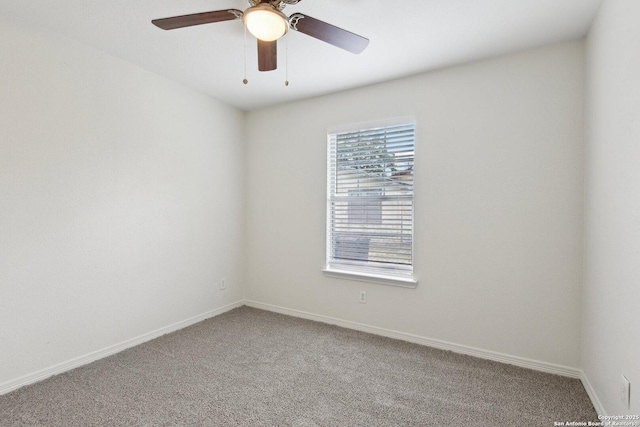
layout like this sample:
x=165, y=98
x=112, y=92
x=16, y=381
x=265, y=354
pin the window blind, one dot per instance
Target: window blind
x=370, y=200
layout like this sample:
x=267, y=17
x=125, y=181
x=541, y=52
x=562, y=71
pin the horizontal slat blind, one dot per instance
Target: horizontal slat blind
x=370, y=200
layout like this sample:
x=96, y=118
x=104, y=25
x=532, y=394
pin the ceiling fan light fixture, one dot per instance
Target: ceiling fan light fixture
x=265, y=22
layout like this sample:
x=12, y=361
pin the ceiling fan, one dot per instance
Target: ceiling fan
x=265, y=20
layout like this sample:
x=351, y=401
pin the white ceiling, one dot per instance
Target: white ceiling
x=407, y=37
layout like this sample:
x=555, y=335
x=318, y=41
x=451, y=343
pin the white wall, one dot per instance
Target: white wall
x=121, y=201
x=611, y=312
x=498, y=205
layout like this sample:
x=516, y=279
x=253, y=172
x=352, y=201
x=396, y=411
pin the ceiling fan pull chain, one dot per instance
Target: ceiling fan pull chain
x=286, y=61
x=245, y=81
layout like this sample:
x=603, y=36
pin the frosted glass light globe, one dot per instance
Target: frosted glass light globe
x=265, y=22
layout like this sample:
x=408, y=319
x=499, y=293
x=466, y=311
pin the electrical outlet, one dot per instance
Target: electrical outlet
x=223, y=283
x=625, y=392
x=363, y=297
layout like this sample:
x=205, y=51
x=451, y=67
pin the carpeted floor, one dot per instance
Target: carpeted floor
x=250, y=367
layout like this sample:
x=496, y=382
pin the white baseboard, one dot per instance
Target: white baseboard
x=59, y=368
x=592, y=394
x=430, y=342
x=42, y=374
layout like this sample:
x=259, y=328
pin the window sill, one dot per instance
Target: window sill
x=371, y=278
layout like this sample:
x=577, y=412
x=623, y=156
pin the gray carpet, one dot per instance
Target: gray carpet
x=250, y=367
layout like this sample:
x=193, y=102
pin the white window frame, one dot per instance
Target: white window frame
x=400, y=275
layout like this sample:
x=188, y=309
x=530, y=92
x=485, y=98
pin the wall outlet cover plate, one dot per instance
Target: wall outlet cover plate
x=625, y=392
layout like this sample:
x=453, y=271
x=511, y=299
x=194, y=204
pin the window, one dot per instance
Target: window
x=370, y=204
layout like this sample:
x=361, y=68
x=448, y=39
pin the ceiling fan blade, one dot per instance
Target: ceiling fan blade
x=328, y=33
x=197, y=19
x=267, y=55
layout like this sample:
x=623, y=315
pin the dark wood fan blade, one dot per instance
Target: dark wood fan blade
x=197, y=19
x=267, y=55
x=328, y=33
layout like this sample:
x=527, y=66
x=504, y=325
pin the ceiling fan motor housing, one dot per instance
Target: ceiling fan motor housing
x=279, y=4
